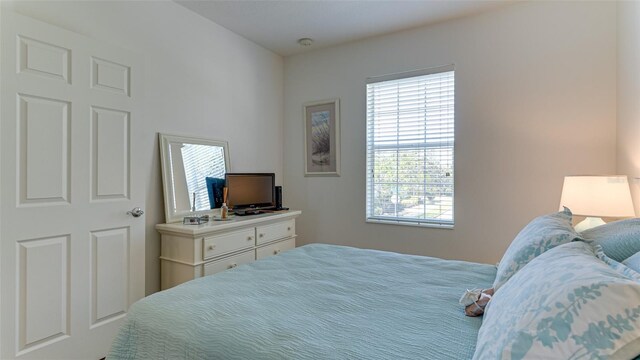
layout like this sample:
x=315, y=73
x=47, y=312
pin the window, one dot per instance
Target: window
x=410, y=148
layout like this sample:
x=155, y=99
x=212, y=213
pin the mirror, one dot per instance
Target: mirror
x=193, y=171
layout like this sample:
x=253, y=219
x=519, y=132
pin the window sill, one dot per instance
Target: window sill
x=411, y=223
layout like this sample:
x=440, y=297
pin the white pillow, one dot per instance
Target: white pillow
x=541, y=234
x=566, y=303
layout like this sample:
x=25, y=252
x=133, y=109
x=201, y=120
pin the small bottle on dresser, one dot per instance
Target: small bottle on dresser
x=224, y=211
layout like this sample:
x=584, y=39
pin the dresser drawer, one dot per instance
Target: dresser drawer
x=230, y=262
x=275, y=249
x=275, y=231
x=226, y=243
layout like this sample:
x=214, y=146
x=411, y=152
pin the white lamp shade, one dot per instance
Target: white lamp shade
x=599, y=196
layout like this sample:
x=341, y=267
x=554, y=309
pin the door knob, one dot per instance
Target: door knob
x=135, y=212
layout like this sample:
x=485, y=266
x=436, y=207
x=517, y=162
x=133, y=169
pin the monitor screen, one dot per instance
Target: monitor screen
x=250, y=190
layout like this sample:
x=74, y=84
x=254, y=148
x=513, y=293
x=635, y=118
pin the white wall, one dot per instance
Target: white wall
x=536, y=100
x=199, y=78
x=629, y=94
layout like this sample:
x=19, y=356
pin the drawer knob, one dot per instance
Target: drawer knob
x=289, y=228
x=261, y=235
x=276, y=252
x=211, y=247
x=249, y=238
x=233, y=265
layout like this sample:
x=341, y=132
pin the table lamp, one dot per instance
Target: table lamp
x=596, y=197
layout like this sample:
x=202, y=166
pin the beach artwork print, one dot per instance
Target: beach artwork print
x=321, y=138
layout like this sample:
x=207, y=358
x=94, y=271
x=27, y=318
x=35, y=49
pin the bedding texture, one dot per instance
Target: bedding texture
x=541, y=234
x=572, y=302
x=313, y=302
x=619, y=239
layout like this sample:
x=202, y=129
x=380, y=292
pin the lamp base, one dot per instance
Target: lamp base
x=588, y=223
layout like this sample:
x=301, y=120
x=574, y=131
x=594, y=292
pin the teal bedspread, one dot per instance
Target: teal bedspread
x=313, y=302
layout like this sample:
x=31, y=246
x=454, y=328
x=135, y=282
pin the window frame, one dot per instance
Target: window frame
x=370, y=158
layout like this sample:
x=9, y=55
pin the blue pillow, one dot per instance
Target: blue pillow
x=541, y=234
x=570, y=302
x=633, y=262
x=214, y=188
x=619, y=239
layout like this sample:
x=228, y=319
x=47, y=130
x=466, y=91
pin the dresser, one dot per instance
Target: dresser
x=192, y=251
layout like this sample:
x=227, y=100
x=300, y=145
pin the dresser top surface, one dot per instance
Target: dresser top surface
x=232, y=223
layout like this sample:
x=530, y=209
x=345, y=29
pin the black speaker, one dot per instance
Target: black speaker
x=278, y=197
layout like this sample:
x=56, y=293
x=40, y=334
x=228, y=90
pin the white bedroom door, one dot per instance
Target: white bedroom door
x=71, y=258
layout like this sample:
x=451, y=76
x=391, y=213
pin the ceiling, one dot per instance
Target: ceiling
x=277, y=25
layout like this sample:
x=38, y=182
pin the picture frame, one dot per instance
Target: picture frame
x=322, y=138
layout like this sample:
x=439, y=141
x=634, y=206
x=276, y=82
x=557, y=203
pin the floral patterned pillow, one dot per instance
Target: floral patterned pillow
x=541, y=234
x=571, y=302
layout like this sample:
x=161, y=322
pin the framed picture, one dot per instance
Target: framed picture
x=322, y=138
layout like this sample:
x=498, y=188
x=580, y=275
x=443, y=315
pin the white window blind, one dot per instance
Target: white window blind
x=410, y=148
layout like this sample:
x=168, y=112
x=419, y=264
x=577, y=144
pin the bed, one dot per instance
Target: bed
x=559, y=294
x=313, y=302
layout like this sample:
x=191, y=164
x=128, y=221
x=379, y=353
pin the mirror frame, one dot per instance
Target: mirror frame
x=167, y=182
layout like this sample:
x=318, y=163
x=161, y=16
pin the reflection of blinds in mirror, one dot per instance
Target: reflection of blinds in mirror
x=201, y=161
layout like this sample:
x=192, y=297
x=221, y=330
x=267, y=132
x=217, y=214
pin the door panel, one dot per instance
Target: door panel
x=109, y=154
x=71, y=260
x=43, y=291
x=109, y=275
x=43, y=59
x=110, y=76
x=44, y=146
